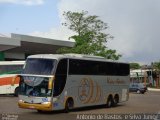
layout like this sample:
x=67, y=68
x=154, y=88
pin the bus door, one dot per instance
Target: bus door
x=60, y=77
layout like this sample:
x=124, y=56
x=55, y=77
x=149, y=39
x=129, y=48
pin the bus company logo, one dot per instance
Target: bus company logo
x=85, y=89
x=89, y=91
x=117, y=81
x=45, y=99
x=32, y=101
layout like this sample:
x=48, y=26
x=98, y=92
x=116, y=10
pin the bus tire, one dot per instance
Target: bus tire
x=40, y=111
x=69, y=105
x=110, y=101
x=16, y=91
x=116, y=100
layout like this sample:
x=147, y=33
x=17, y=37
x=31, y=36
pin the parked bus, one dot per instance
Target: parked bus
x=54, y=82
x=8, y=71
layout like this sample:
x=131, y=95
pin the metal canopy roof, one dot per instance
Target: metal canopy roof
x=8, y=43
x=31, y=45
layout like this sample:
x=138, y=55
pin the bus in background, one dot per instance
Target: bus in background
x=8, y=71
x=55, y=82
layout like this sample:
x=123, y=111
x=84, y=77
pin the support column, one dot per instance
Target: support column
x=2, y=56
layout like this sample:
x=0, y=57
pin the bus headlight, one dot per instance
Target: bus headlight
x=21, y=101
x=46, y=103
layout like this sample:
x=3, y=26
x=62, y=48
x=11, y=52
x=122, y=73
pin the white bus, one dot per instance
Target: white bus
x=8, y=70
x=54, y=82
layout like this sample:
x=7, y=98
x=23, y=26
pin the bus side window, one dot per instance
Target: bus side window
x=60, y=77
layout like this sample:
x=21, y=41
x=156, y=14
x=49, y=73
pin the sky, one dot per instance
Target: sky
x=135, y=24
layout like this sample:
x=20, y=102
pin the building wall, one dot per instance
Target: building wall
x=9, y=55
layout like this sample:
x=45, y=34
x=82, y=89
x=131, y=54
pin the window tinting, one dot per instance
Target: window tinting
x=39, y=66
x=10, y=69
x=86, y=67
x=60, y=77
x=62, y=67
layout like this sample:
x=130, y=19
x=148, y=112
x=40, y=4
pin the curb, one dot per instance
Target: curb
x=153, y=89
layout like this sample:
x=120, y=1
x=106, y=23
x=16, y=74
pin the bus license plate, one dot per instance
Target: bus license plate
x=31, y=107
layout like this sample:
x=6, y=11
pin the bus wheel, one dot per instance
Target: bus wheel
x=16, y=91
x=110, y=102
x=40, y=111
x=116, y=100
x=69, y=105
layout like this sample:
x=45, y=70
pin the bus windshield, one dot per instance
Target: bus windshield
x=39, y=66
x=34, y=86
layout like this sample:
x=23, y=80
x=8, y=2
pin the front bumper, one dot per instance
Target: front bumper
x=44, y=107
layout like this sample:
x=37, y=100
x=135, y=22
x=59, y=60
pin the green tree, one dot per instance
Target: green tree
x=156, y=65
x=135, y=66
x=90, y=38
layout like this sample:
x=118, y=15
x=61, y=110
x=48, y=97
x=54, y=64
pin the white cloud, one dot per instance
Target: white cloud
x=59, y=33
x=24, y=2
x=134, y=24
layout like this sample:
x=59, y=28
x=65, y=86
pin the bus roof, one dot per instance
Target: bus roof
x=12, y=62
x=72, y=56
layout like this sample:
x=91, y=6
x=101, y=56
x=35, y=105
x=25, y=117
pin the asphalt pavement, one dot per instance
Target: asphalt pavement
x=147, y=103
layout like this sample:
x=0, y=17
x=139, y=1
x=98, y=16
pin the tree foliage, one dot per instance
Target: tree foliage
x=90, y=38
x=156, y=65
x=135, y=66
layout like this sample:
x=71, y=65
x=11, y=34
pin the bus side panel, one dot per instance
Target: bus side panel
x=6, y=86
x=117, y=85
x=94, y=90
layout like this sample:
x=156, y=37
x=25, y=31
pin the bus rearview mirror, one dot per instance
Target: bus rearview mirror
x=50, y=83
x=15, y=79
